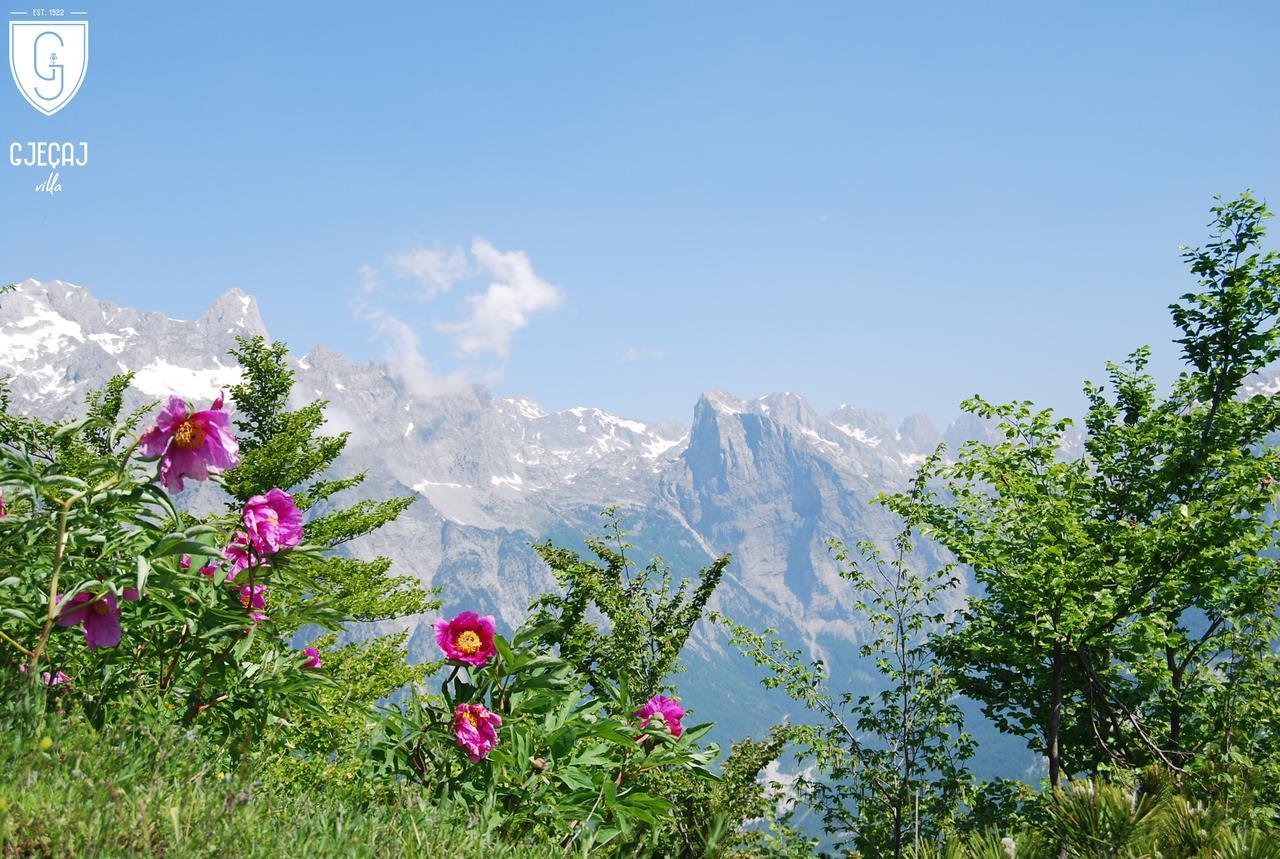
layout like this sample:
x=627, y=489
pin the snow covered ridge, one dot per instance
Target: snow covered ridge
x=57, y=342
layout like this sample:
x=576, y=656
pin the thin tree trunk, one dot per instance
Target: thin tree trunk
x=1052, y=749
x=1175, y=706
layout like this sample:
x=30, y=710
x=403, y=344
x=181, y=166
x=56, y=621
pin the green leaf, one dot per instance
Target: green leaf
x=144, y=571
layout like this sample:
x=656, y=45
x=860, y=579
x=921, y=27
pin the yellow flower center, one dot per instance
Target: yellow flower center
x=470, y=717
x=467, y=643
x=188, y=435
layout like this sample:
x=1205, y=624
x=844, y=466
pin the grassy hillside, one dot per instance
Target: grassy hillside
x=73, y=792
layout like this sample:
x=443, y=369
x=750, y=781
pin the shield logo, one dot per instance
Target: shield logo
x=48, y=61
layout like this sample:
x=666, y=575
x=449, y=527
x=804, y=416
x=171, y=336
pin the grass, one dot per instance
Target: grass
x=135, y=791
x=78, y=793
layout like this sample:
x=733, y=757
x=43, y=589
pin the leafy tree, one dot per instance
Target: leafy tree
x=891, y=763
x=1013, y=512
x=1127, y=612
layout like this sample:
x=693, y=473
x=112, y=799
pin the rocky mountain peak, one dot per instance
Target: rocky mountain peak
x=920, y=433
x=235, y=312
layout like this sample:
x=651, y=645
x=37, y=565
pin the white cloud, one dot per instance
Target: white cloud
x=405, y=360
x=628, y=352
x=512, y=298
x=368, y=279
x=436, y=270
x=415, y=372
x=505, y=307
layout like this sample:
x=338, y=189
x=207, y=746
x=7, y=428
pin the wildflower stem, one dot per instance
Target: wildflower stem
x=15, y=644
x=125, y=456
x=177, y=651
x=59, y=554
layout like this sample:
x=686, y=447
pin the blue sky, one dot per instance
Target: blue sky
x=890, y=205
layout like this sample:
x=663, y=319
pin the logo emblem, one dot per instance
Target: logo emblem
x=48, y=61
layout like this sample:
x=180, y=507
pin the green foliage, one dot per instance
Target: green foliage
x=281, y=448
x=574, y=765
x=278, y=447
x=325, y=746
x=1003, y=803
x=1129, y=593
x=85, y=517
x=567, y=769
x=1096, y=819
x=1012, y=512
x=650, y=616
x=285, y=448
x=708, y=815
x=104, y=530
x=622, y=629
x=75, y=453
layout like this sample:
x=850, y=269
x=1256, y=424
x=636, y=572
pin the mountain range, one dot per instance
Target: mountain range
x=768, y=479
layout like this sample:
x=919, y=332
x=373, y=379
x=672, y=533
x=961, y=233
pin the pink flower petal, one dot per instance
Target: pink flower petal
x=468, y=638
x=102, y=630
x=668, y=711
x=74, y=616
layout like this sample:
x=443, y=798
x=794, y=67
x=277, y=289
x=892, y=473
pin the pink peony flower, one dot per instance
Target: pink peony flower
x=467, y=638
x=665, y=710
x=476, y=730
x=272, y=522
x=253, y=596
x=209, y=570
x=189, y=442
x=241, y=555
x=100, y=616
x=2, y=513
x=184, y=562
x=313, y=658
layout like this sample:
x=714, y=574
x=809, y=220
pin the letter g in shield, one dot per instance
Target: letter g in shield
x=48, y=61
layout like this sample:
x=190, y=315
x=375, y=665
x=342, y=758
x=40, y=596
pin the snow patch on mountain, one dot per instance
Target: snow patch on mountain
x=163, y=379
x=859, y=434
x=41, y=333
